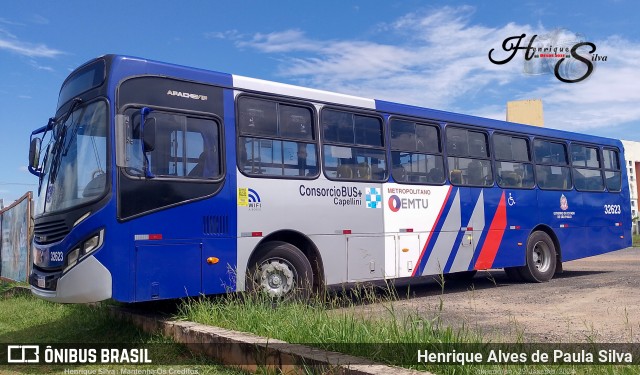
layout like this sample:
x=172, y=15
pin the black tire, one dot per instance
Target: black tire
x=513, y=273
x=281, y=271
x=460, y=276
x=540, y=257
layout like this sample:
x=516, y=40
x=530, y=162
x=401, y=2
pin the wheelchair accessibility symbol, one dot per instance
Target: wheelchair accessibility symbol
x=511, y=201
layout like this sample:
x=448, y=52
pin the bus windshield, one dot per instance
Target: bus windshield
x=76, y=160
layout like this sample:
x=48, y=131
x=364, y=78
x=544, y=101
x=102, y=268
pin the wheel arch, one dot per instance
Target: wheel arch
x=302, y=242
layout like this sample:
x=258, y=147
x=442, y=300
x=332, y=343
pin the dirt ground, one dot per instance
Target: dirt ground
x=595, y=300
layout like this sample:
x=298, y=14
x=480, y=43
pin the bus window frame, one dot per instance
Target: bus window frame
x=527, y=139
x=187, y=113
x=567, y=165
x=605, y=169
x=440, y=153
x=284, y=101
x=600, y=168
x=358, y=112
x=489, y=158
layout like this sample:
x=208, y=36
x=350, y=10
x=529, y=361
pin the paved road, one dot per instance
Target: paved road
x=595, y=299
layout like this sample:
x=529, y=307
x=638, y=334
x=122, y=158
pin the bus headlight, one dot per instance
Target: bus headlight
x=72, y=258
x=91, y=244
x=84, y=248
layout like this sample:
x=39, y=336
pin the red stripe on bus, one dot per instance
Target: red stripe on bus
x=444, y=204
x=494, y=237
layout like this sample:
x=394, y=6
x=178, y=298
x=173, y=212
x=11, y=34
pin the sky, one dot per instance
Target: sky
x=427, y=53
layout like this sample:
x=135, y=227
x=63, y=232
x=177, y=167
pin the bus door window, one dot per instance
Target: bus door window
x=185, y=147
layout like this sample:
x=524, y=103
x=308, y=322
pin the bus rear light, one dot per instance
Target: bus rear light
x=406, y=230
x=346, y=231
x=618, y=224
x=516, y=227
x=405, y=250
x=621, y=236
x=564, y=225
x=212, y=260
x=519, y=243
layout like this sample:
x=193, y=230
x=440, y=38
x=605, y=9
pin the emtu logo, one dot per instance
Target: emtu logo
x=396, y=203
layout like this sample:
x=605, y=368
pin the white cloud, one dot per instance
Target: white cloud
x=10, y=43
x=439, y=59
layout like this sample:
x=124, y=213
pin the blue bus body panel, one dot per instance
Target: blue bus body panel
x=175, y=266
x=582, y=229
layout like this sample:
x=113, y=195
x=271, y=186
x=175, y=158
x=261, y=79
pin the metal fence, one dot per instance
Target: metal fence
x=16, y=229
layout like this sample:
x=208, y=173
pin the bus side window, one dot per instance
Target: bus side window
x=257, y=117
x=513, y=161
x=552, y=169
x=416, y=152
x=276, y=139
x=468, y=153
x=612, y=174
x=353, y=146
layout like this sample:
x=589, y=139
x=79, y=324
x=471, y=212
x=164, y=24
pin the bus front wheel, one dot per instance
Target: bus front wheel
x=281, y=271
x=541, y=258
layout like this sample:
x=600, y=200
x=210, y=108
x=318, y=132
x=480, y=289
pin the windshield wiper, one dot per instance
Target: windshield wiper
x=59, y=147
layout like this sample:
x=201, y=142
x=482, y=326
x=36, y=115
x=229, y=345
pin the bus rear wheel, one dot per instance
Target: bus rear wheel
x=541, y=258
x=281, y=272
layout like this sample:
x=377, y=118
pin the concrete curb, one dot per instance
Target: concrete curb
x=250, y=352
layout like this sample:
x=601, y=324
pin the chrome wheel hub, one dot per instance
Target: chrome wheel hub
x=276, y=277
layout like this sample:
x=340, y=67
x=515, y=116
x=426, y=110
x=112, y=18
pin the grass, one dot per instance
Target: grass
x=332, y=323
x=27, y=320
x=636, y=240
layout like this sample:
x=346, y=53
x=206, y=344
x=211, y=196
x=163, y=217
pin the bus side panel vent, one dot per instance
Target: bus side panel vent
x=216, y=225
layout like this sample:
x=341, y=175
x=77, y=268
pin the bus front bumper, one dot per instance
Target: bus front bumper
x=88, y=281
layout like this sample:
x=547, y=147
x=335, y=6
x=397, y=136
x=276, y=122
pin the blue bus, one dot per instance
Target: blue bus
x=160, y=181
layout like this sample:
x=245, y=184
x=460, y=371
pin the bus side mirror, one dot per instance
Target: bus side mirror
x=34, y=156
